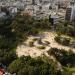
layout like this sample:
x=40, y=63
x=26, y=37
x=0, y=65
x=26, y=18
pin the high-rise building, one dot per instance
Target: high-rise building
x=70, y=11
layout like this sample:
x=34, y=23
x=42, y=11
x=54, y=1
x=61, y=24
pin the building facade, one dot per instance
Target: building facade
x=70, y=11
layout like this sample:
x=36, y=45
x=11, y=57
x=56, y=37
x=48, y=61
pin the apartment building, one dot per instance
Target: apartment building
x=70, y=11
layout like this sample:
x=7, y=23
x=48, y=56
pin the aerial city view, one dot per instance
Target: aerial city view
x=37, y=37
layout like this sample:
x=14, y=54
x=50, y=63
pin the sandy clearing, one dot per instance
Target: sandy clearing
x=35, y=52
x=32, y=51
x=49, y=36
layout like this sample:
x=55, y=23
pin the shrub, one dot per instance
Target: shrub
x=57, y=39
x=72, y=44
x=41, y=47
x=66, y=41
x=31, y=43
x=66, y=58
x=62, y=40
x=34, y=39
x=47, y=42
